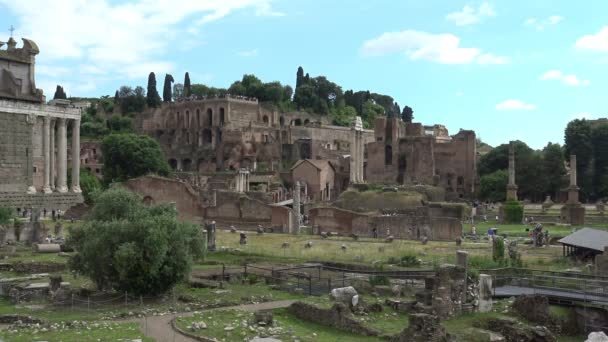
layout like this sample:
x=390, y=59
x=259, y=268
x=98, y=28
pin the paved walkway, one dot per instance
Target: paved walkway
x=159, y=327
x=509, y=291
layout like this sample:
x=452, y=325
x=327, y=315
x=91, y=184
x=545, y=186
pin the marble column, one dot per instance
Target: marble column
x=46, y=148
x=573, y=170
x=76, y=156
x=511, y=186
x=62, y=160
x=29, y=153
x=53, y=155
x=296, y=208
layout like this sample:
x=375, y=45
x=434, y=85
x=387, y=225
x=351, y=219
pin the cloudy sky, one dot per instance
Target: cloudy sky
x=507, y=69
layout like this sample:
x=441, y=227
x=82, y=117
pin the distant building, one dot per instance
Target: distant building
x=316, y=178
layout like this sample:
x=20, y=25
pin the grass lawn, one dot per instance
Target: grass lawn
x=94, y=332
x=520, y=229
x=267, y=247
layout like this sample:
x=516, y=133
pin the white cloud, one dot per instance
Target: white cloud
x=541, y=24
x=119, y=38
x=417, y=45
x=595, y=42
x=248, y=53
x=469, y=15
x=512, y=104
x=570, y=79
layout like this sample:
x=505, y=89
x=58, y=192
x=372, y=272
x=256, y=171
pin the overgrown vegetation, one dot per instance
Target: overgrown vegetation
x=514, y=212
x=129, y=246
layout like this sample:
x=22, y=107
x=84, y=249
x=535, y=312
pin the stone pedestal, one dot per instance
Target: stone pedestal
x=512, y=192
x=573, y=213
x=485, y=293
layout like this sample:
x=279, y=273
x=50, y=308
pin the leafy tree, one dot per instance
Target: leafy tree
x=132, y=100
x=178, y=91
x=187, y=86
x=167, y=88
x=370, y=112
x=299, y=77
x=599, y=138
x=89, y=184
x=60, y=93
x=203, y=90
x=116, y=98
x=129, y=155
x=120, y=124
x=408, y=114
x=578, y=141
x=128, y=246
x=153, y=98
x=553, y=169
x=493, y=186
x=528, y=168
x=6, y=215
x=92, y=126
x=343, y=116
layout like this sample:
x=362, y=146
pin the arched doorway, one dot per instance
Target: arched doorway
x=173, y=164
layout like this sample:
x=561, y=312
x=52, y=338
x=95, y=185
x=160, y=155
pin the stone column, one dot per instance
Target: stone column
x=511, y=186
x=210, y=228
x=296, y=208
x=353, y=156
x=573, y=188
x=53, y=156
x=361, y=156
x=62, y=160
x=76, y=156
x=356, y=152
x=462, y=260
x=46, y=148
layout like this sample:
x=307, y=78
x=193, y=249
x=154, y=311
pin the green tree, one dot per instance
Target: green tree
x=89, y=184
x=553, y=169
x=167, y=88
x=599, y=138
x=116, y=98
x=493, y=186
x=60, y=93
x=343, y=116
x=370, y=112
x=578, y=141
x=129, y=155
x=408, y=114
x=128, y=246
x=153, y=98
x=120, y=124
x=187, y=86
x=178, y=91
x=6, y=215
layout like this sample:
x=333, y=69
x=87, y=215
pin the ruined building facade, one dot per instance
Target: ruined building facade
x=34, y=138
x=224, y=133
x=410, y=153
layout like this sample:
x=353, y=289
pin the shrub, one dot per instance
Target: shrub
x=409, y=260
x=379, y=280
x=6, y=214
x=513, y=211
x=498, y=252
x=129, y=246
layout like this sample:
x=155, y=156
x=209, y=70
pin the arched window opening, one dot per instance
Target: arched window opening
x=388, y=155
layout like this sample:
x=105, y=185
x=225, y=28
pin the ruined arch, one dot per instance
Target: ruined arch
x=199, y=121
x=282, y=121
x=297, y=122
x=173, y=164
x=209, y=117
x=187, y=165
x=388, y=155
x=306, y=122
x=265, y=119
x=187, y=123
x=148, y=200
x=222, y=116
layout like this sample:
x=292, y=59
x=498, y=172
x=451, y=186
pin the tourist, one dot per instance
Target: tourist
x=473, y=230
x=491, y=234
x=375, y=233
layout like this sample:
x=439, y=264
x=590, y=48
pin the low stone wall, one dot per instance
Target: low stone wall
x=37, y=267
x=339, y=317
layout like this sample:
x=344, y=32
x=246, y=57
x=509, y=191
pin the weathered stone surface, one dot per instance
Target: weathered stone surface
x=422, y=328
x=263, y=318
x=598, y=336
x=515, y=331
x=534, y=308
x=343, y=294
x=339, y=317
x=37, y=267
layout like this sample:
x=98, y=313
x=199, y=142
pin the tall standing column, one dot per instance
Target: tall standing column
x=76, y=156
x=62, y=160
x=361, y=156
x=53, y=155
x=511, y=186
x=46, y=148
x=296, y=208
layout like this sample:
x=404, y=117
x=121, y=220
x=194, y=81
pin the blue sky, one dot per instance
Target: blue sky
x=507, y=69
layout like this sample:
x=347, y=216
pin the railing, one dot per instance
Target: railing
x=560, y=287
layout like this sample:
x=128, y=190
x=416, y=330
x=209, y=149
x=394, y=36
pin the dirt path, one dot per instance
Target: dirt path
x=159, y=327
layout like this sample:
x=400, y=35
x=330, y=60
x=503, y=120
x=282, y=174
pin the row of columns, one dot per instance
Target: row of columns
x=59, y=162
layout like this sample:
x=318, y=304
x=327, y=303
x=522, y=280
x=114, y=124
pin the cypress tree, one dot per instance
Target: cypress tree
x=299, y=77
x=116, y=97
x=187, y=88
x=152, y=97
x=167, y=88
x=408, y=114
x=59, y=93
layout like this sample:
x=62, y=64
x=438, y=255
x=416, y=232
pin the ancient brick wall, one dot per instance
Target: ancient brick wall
x=16, y=144
x=156, y=189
